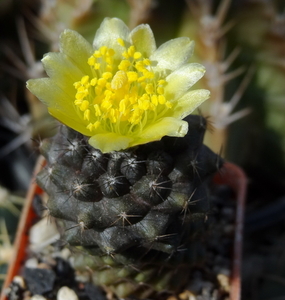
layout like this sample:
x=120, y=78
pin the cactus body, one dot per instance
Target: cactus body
x=137, y=216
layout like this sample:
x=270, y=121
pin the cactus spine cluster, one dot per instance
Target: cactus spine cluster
x=137, y=215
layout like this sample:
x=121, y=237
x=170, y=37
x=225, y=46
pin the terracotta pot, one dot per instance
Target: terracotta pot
x=230, y=175
x=22, y=237
x=233, y=176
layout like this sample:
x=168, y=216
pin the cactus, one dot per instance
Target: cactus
x=131, y=210
x=123, y=172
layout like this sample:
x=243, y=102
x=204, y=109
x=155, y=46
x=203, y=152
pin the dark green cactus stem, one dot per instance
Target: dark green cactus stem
x=137, y=217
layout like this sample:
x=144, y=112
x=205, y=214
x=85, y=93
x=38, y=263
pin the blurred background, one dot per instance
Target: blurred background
x=242, y=45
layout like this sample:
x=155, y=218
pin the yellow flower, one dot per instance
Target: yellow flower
x=122, y=91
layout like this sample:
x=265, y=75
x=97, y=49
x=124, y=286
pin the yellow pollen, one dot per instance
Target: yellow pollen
x=161, y=99
x=101, y=82
x=98, y=90
x=141, y=79
x=168, y=104
x=87, y=115
x=90, y=126
x=97, y=54
x=132, y=76
x=137, y=55
x=125, y=54
x=122, y=106
x=81, y=95
x=110, y=52
x=96, y=124
x=84, y=79
x=149, y=88
x=107, y=75
x=109, y=68
x=91, y=61
x=84, y=105
x=160, y=90
x=98, y=112
x=106, y=105
x=93, y=81
x=148, y=74
x=154, y=99
x=124, y=64
x=77, y=102
x=131, y=51
x=147, y=62
x=77, y=84
x=108, y=60
x=121, y=42
x=103, y=50
x=140, y=66
x=97, y=66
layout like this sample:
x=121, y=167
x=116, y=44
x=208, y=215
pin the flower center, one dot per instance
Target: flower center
x=123, y=95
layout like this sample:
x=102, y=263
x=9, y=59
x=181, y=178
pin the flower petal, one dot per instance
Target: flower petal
x=109, y=141
x=189, y=102
x=173, y=54
x=181, y=80
x=73, y=123
x=58, y=102
x=143, y=39
x=167, y=126
x=53, y=96
x=108, y=33
x=62, y=71
x=48, y=92
x=77, y=49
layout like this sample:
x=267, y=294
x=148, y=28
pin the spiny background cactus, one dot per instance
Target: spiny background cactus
x=254, y=142
x=132, y=210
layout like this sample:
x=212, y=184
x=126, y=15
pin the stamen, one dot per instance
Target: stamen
x=137, y=55
x=120, y=100
x=121, y=42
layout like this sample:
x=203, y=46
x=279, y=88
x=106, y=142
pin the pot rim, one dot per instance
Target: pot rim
x=233, y=176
